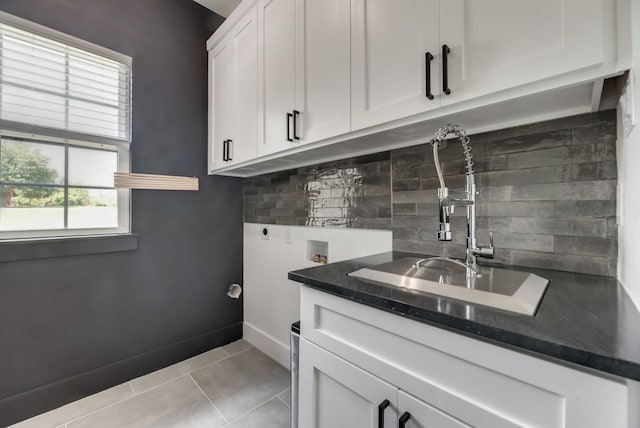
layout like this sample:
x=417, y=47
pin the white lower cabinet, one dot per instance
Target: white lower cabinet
x=335, y=393
x=415, y=413
x=353, y=358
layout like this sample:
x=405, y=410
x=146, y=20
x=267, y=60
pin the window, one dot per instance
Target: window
x=65, y=120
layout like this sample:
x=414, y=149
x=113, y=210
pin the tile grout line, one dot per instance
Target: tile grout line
x=134, y=393
x=101, y=408
x=283, y=402
x=256, y=407
x=223, y=359
x=226, y=422
x=242, y=352
x=160, y=384
x=182, y=375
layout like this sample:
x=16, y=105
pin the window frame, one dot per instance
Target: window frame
x=45, y=134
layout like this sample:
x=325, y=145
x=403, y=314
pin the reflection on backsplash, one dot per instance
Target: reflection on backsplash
x=347, y=193
x=332, y=196
x=547, y=193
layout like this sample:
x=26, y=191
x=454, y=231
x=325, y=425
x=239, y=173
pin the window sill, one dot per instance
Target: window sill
x=30, y=249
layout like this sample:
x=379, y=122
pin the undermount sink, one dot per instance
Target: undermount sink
x=506, y=289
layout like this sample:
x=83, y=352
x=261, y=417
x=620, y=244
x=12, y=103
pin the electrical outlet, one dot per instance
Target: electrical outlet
x=265, y=233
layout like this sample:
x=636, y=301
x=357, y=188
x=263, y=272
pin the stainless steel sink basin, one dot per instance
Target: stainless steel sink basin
x=506, y=289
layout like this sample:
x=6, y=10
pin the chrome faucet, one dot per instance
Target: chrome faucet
x=467, y=197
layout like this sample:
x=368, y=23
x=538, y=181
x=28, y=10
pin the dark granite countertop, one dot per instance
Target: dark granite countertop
x=582, y=319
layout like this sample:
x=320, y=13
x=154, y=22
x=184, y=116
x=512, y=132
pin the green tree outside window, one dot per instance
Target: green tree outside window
x=21, y=164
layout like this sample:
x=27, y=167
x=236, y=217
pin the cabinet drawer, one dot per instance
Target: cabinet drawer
x=489, y=385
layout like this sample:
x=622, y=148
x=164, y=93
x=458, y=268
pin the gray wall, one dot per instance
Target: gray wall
x=547, y=192
x=72, y=326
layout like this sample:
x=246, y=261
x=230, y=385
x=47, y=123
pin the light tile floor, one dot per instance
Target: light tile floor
x=234, y=386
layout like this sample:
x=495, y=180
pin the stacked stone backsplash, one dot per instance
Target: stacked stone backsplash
x=547, y=192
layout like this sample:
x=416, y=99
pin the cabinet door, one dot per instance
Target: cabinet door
x=221, y=99
x=244, y=40
x=389, y=43
x=276, y=57
x=423, y=415
x=323, y=90
x=500, y=44
x=335, y=393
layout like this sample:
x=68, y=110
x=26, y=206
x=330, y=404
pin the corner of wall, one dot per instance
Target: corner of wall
x=634, y=397
x=629, y=176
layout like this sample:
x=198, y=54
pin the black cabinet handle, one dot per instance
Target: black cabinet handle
x=403, y=419
x=229, y=142
x=224, y=150
x=296, y=113
x=381, y=408
x=289, y=116
x=427, y=64
x=445, y=69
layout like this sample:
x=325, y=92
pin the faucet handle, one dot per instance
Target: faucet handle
x=487, y=252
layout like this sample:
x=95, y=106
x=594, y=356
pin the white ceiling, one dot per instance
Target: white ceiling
x=221, y=7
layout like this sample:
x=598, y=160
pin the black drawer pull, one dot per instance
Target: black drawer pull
x=224, y=150
x=289, y=116
x=296, y=113
x=403, y=419
x=445, y=69
x=427, y=64
x=229, y=158
x=381, y=408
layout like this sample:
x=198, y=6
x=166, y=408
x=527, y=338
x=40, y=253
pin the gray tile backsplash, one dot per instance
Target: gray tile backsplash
x=347, y=193
x=547, y=192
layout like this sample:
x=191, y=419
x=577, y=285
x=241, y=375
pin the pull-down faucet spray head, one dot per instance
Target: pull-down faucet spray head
x=444, y=231
x=446, y=205
x=468, y=198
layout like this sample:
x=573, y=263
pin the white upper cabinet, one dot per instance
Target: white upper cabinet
x=323, y=55
x=221, y=102
x=245, y=123
x=277, y=66
x=295, y=82
x=391, y=71
x=233, y=79
x=499, y=44
x=305, y=63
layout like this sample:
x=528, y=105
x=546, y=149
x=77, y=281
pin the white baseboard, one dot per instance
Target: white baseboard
x=635, y=300
x=267, y=344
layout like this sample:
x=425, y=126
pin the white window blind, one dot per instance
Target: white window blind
x=48, y=84
x=65, y=129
